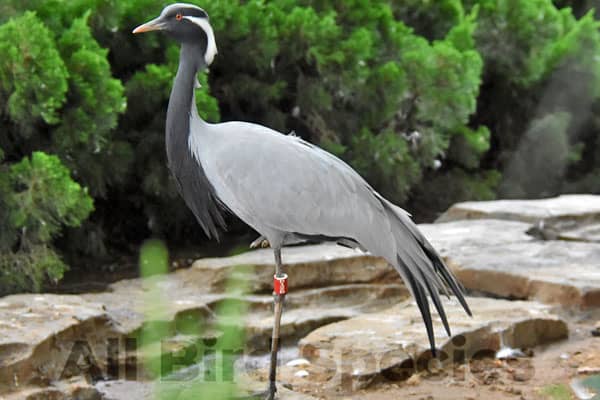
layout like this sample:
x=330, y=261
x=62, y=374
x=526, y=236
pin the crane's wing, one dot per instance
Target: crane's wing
x=277, y=182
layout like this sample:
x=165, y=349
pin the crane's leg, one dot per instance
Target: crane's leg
x=279, y=292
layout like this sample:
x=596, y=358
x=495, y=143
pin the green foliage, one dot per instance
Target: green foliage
x=84, y=135
x=432, y=101
x=391, y=153
x=536, y=73
x=47, y=196
x=468, y=146
x=33, y=77
x=579, y=7
x=430, y=18
x=59, y=97
x=515, y=37
x=28, y=270
x=8, y=231
x=39, y=198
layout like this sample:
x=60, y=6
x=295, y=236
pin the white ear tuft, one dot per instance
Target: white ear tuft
x=211, y=46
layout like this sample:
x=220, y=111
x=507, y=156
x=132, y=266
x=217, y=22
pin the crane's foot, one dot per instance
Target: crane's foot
x=271, y=391
x=260, y=242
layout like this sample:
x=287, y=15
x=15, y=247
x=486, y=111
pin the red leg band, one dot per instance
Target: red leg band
x=280, y=284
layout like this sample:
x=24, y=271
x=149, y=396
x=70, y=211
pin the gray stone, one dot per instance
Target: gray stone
x=250, y=386
x=38, y=333
x=125, y=390
x=190, y=389
x=328, y=284
x=458, y=236
x=326, y=305
x=584, y=233
x=130, y=303
x=74, y=388
x=555, y=272
x=394, y=342
x=306, y=266
x=581, y=207
x=183, y=312
x=571, y=230
x=498, y=257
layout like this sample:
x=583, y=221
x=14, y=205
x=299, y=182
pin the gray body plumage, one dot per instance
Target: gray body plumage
x=288, y=190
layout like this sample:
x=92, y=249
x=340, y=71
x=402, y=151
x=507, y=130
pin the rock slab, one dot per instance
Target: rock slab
x=499, y=257
x=554, y=272
x=39, y=332
x=191, y=389
x=457, y=236
x=582, y=207
x=393, y=343
x=307, y=266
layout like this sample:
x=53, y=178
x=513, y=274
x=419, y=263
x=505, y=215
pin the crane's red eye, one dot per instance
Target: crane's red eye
x=179, y=17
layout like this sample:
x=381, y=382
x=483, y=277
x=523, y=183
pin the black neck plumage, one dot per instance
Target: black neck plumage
x=192, y=182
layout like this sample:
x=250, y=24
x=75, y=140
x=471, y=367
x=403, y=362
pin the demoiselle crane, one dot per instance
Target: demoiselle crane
x=287, y=189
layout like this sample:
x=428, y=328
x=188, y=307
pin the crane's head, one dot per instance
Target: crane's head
x=186, y=23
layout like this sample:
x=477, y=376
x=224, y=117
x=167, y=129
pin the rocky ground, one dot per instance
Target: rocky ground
x=532, y=270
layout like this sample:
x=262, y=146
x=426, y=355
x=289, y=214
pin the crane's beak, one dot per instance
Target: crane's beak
x=155, y=25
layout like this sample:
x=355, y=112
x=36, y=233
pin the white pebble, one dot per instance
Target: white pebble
x=298, y=362
x=507, y=352
x=301, y=374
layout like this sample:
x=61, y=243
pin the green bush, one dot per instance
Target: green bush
x=432, y=101
x=33, y=77
x=84, y=137
x=39, y=198
x=534, y=72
